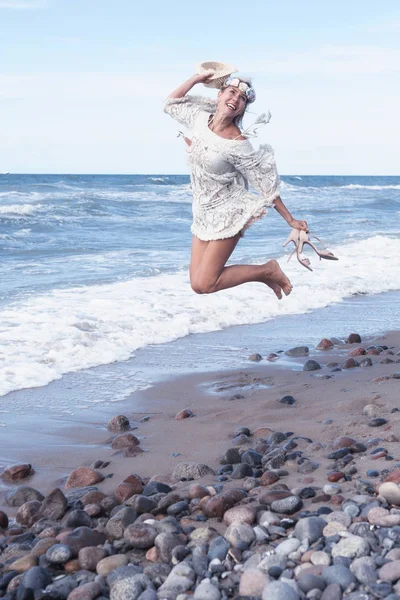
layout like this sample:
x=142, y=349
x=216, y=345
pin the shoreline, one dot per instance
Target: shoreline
x=55, y=445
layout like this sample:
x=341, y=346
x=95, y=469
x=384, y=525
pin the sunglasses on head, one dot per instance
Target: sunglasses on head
x=243, y=87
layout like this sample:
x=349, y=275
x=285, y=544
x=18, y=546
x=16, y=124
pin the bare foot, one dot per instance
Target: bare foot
x=275, y=277
x=275, y=288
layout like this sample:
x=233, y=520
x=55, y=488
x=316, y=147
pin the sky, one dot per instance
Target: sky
x=82, y=82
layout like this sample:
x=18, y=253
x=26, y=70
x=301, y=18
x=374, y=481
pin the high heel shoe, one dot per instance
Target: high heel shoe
x=304, y=238
x=294, y=237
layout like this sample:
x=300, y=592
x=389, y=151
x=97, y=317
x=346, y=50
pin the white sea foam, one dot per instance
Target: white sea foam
x=357, y=186
x=46, y=336
x=19, y=209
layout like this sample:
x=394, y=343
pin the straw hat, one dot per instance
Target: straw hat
x=220, y=72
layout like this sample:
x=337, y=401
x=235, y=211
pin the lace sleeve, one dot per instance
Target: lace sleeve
x=258, y=169
x=186, y=109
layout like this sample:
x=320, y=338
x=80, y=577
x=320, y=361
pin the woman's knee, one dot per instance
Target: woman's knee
x=202, y=286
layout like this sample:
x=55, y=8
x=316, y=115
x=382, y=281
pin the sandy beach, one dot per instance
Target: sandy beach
x=327, y=404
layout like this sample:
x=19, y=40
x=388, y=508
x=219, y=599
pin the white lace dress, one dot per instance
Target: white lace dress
x=221, y=172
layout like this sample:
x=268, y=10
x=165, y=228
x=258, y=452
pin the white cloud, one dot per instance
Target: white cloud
x=27, y=5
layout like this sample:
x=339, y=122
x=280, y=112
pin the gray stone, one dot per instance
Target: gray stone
x=189, y=471
x=311, y=365
x=37, y=578
x=364, y=569
x=240, y=535
x=119, y=522
x=140, y=535
x=309, y=528
x=128, y=588
x=297, y=351
x=156, y=487
x=332, y=592
x=76, y=518
x=61, y=588
x=308, y=582
x=287, y=546
x=278, y=590
x=206, y=591
x=59, y=554
x=241, y=471
x=54, y=506
x=218, y=548
x=338, y=574
x=353, y=546
x=82, y=537
x=165, y=543
x=22, y=494
x=287, y=506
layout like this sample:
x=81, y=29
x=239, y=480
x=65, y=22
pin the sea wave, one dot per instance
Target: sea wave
x=19, y=209
x=66, y=330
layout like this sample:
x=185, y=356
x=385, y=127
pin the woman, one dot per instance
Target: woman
x=223, y=164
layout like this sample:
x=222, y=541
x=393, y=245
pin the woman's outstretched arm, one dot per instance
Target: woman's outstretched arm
x=291, y=221
x=185, y=87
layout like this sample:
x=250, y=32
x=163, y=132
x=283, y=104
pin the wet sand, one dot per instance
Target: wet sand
x=221, y=402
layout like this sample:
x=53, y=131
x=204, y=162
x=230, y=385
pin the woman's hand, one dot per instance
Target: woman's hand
x=302, y=225
x=203, y=77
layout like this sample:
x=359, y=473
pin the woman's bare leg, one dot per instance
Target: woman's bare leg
x=209, y=274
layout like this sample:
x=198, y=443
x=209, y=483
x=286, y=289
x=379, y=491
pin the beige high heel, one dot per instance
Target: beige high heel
x=304, y=238
x=295, y=237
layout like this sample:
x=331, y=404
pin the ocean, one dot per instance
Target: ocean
x=94, y=285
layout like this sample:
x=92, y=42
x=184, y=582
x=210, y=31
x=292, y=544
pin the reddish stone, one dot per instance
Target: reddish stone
x=124, y=440
x=337, y=499
x=82, y=477
x=325, y=344
x=381, y=454
x=350, y=363
x=54, y=506
x=17, y=472
x=217, y=505
x=335, y=476
x=374, y=351
x=94, y=497
x=320, y=498
x=394, y=476
x=271, y=495
x=268, y=478
x=196, y=490
x=358, y=352
x=272, y=357
x=354, y=338
x=93, y=510
x=27, y=512
x=392, y=438
x=72, y=566
x=119, y=423
x=343, y=442
x=379, y=379
x=124, y=491
x=184, y=414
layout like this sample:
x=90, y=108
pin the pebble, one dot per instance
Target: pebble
x=279, y=590
x=59, y=554
x=311, y=365
x=287, y=400
x=377, y=422
x=391, y=492
x=288, y=506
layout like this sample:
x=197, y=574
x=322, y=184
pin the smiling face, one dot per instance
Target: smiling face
x=231, y=102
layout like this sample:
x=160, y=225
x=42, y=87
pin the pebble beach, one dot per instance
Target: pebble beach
x=277, y=481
